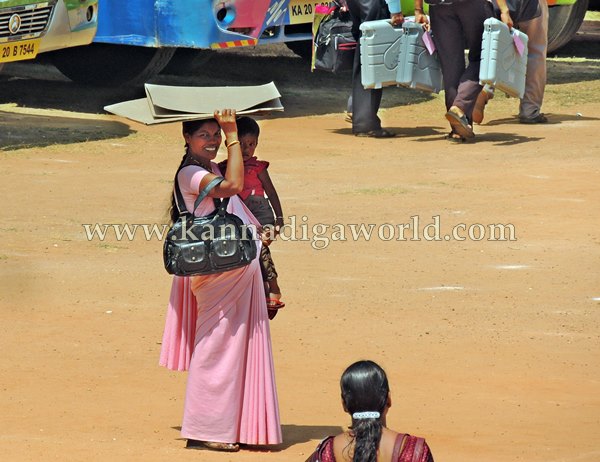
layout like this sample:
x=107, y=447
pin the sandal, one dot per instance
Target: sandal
x=212, y=446
x=459, y=123
x=274, y=304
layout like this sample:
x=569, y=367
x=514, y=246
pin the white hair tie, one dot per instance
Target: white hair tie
x=366, y=415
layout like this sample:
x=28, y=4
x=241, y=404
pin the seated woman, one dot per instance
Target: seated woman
x=366, y=397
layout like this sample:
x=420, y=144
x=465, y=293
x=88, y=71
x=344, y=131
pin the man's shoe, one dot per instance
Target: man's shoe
x=538, y=119
x=478, y=110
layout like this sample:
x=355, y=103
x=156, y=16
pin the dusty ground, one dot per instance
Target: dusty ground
x=492, y=347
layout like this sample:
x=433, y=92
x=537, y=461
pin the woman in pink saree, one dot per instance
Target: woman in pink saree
x=217, y=326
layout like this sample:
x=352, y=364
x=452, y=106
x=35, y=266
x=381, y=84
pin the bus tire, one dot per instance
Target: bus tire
x=302, y=48
x=564, y=22
x=111, y=65
x=187, y=61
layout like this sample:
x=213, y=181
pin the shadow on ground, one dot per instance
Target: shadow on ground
x=40, y=85
x=304, y=93
x=28, y=130
x=294, y=434
x=553, y=119
x=297, y=434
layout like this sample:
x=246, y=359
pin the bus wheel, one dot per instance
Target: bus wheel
x=302, y=48
x=111, y=65
x=564, y=22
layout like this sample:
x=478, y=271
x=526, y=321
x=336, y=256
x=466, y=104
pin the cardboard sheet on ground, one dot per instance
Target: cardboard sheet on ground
x=165, y=103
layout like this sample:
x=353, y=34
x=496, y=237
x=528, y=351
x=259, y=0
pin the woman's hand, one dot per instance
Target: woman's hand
x=234, y=174
x=226, y=119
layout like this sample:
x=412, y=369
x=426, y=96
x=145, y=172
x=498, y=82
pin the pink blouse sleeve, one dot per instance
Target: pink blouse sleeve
x=189, y=179
x=415, y=450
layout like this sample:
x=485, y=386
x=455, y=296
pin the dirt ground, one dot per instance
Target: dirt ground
x=492, y=346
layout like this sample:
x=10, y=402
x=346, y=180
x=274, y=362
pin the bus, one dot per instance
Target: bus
x=136, y=39
x=28, y=28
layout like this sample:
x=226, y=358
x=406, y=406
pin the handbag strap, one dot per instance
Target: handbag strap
x=398, y=446
x=180, y=202
x=207, y=189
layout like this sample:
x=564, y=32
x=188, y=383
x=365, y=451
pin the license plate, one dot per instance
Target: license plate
x=301, y=11
x=17, y=51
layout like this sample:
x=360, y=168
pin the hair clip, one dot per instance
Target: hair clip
x=366, y=415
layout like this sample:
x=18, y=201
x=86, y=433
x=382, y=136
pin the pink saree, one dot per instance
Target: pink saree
x=217, y=328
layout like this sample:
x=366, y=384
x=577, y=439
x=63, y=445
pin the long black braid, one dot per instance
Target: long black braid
x=365, y=388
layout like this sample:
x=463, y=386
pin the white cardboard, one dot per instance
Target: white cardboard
x=165, y=103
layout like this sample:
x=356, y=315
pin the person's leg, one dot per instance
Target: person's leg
x=447, y=36
x=348, y=112
x=274, y=287
x=484, y=96
x=472, y=14
x=535, y=80
x=365, y=103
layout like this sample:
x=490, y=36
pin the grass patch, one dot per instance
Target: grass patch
x=572, y=80
x=592, y=16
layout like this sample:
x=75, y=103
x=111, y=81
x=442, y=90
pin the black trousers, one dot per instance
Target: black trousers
x=365, y=103
x=455, y=27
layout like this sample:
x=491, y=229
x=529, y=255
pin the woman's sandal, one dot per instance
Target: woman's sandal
x=273, y=307
x=274, y=304
x=212, y=446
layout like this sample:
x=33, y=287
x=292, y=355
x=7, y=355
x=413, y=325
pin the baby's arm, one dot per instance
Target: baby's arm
x=269, y=188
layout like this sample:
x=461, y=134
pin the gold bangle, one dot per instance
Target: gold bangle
x=232, y=143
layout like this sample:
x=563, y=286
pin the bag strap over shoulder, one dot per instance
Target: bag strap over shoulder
x=207, y=189
x=180, y=202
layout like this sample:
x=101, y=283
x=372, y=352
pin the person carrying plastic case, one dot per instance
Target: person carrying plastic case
x=456, y=25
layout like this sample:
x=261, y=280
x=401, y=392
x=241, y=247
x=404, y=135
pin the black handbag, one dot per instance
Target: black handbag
x=215, y=243
x=334, y=43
